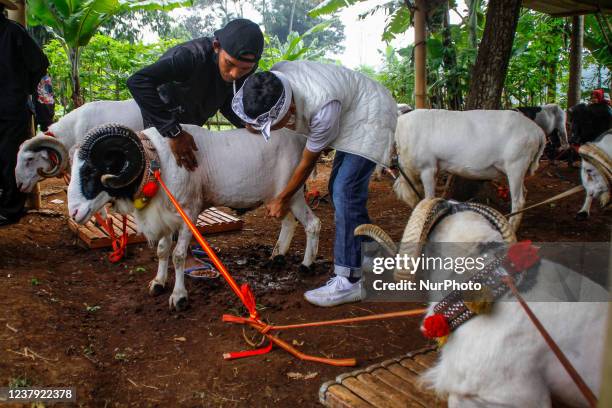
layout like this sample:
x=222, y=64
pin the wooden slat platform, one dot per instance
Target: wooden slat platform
x=392, y=383
x=95, y=236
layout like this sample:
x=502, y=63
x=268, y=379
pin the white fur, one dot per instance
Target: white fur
x=236, y=169
x=552, y=118
x=500, y=359
x=593, y=181
x=70, y=130
x=479, y=145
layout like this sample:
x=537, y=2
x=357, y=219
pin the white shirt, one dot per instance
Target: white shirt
x=324, y=127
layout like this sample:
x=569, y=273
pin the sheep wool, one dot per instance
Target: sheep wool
x=369, y=113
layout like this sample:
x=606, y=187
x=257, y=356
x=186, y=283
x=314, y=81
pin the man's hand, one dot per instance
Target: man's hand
x=277, y=208
x=183, y=147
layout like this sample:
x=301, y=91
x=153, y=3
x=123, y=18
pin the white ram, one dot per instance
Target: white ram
x=236, y=169
x=596, y=172
x=36, y=160
x=499, y=359
x=478, y=145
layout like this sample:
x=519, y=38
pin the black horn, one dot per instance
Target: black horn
x=116, y=152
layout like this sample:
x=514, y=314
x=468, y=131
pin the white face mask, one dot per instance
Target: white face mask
x=266, y=120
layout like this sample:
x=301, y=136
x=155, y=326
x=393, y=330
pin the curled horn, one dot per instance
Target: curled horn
x=423, y=218
x=117, y=152
x=494, y=217
x=38, y=143
x=378, y=235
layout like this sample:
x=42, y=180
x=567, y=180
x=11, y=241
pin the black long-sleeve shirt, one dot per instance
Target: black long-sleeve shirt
x=183, y=86
x=22, y=65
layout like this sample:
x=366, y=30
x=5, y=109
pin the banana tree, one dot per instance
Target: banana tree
x=74, y=23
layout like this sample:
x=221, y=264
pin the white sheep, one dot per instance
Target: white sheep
x=236, y=169
x=596, y=172
x=551, y=118
x=34, y=159
x=478, y=145
x=500, y=359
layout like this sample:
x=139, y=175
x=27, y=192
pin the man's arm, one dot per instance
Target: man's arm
x=36, y=61
x=324, y=128
x=176, y=65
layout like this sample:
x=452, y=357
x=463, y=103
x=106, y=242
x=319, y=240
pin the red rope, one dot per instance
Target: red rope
x=119, y=244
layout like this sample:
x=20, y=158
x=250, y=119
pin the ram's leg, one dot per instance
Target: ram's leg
x=516, y=179
x=178, y=300
x=312, y=226
x=157, y=285
x=286, y=235
x=585, y=211
x=428, y=178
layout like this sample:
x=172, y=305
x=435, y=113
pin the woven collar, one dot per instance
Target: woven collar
x=152, y=163
x=457, y=309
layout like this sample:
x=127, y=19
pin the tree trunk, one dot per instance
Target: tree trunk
x=551, y=86
x=420, y=55
x=575, y=73
x=74, y=56
x=455, y=99
x=291, y=17
x=489, y=72
x=488, y=76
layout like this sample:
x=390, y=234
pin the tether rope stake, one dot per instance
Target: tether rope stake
x=245, y=294
x=119, y=244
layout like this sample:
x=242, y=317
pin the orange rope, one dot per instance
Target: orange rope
x=246, y=296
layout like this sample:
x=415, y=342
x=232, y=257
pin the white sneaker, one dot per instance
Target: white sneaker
x=336, y=291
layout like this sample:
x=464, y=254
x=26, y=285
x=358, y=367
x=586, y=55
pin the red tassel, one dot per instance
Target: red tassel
x=435, y=326
x=522, y=256
x=150, y=189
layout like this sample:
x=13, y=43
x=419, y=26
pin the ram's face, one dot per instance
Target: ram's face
x=26, y=171
x=108, y=166
x=86, y=194
x=594, y=183
x=38, y=158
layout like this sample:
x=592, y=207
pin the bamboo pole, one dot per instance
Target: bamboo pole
x=420, y=55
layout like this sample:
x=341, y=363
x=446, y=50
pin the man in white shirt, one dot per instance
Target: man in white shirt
x=338, y=108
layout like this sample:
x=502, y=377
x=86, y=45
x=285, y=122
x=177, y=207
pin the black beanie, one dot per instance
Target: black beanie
x=240, y=37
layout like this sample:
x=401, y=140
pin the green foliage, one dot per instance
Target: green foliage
x=282, y=16
x=105, y=66
x=75, y=22
x=293, y=49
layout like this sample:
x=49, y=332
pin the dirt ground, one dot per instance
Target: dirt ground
x=92, y=325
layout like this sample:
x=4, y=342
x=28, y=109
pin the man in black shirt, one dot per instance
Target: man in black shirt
x=22, y=65
x=193, y=80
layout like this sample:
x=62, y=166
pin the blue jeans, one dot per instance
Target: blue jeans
x=348, y=188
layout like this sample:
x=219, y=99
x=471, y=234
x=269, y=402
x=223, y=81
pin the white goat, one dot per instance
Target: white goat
x=401, y=109
x=551, y=118
x=499, y=359
x=478, y=144
x=33, y=160
x=595, y=172
x=236, y=169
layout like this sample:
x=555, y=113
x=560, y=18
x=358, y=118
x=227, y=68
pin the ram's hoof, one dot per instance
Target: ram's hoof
x=156, y=288
x=178, y=303
x=307, y=270
x=582, y=216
